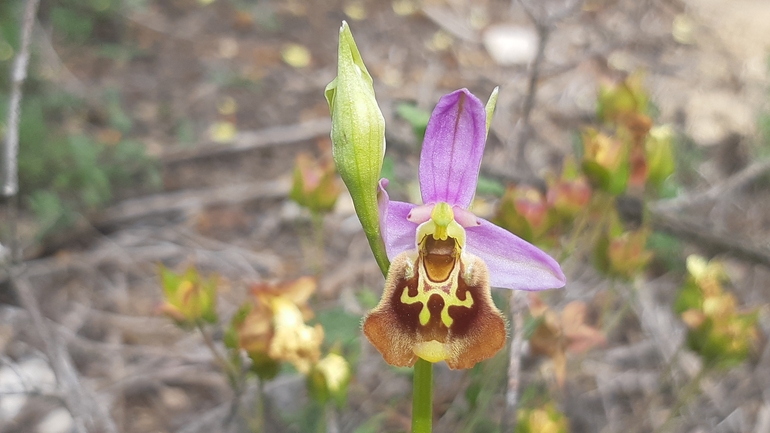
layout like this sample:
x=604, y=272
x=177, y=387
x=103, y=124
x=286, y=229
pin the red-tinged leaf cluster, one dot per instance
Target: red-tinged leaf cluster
x=622, y=253
x=559, y=333
x=542, y=218
x=628, y=151
x=625, y=156
x=315, y=183
x=569, y=195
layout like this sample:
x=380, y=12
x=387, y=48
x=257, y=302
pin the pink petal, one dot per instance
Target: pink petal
x=420, y=214
x=513, y=263
x=465, y=217
x=398, y=233
x=452, y=149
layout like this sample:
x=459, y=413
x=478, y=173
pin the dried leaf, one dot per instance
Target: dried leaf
x=222, y=132
x=355, y=10
x=296, y=55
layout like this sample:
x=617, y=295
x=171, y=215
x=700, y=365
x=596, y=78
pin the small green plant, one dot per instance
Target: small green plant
x=61, y=174
x=544, y=419
x=717, y=330
x=74, y=156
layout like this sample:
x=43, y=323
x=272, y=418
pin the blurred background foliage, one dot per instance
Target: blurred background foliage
x=77, y=152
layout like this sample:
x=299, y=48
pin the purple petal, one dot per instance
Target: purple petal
x=397, y=232
x=513, y=263
x=451, y=152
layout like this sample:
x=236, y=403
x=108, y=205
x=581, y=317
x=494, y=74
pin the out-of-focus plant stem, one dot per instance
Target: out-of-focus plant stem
x=682, y=398
x=318, y=238
x=10, y=184
x=227, y=366
x=332, y=423
x=259, y=422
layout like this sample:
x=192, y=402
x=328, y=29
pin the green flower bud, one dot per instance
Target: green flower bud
x=358, y=137
x=605, y=161
x=189, y=298
x=660, y=155
x=315, y=184
x=329, y=379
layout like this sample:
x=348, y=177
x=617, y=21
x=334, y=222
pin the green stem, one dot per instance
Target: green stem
x=577, y=231
x=259, y=422
x=331, y=422
x=422, y=397
x=683, y=398
x=228, y=367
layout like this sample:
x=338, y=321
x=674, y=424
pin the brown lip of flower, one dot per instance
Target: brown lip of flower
x=437, y=306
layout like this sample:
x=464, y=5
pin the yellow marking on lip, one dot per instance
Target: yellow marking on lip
x=432, y=351
x=427, y=288
x=441, y=226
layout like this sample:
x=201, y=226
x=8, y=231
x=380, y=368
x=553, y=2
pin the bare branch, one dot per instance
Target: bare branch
x=543, y=22
x=708, y=238
x=190, y=201
x=249, y=140
x=738, y=180
x=10, y=185
x=88, y=413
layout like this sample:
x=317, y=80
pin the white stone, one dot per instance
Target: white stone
x=10, y=382
x=57, y=421
x=712, y=116
x=511, y=45
x=32, y=374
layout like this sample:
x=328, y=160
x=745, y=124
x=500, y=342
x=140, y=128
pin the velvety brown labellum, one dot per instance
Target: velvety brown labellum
x=456, y=314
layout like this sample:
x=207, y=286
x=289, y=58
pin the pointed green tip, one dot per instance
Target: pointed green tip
x=490, y=108
x=348, y=55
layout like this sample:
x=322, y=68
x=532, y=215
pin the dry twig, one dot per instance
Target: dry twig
x=706, y=237
x=250, y=140
x=518, y=305
x=190, y=201
x=738, y=180
x=544, y=21
x=665, y=216
x=87, y=412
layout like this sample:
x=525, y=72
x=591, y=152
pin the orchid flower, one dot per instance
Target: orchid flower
x=437, y=303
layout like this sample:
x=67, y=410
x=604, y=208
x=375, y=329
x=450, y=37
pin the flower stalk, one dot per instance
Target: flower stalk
x=422, y=397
